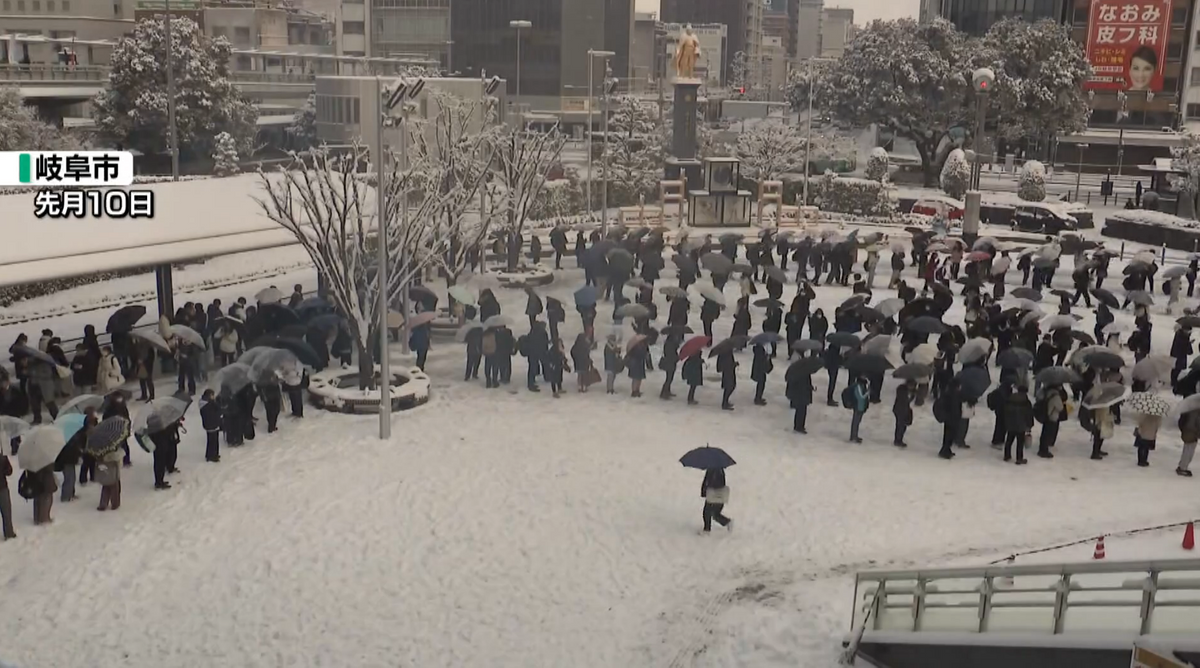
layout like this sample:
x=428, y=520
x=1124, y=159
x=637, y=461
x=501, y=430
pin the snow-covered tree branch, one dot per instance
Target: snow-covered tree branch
x=22, y=130
x=523, y=162
x=770, y=149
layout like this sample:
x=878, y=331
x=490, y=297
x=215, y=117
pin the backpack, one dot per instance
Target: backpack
x=1040, y=410
x=27, y=486
x=848, y=397
x=489, y=343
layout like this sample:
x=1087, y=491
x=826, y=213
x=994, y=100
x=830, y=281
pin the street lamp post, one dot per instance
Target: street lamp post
x=1079, y=168
x=174, y=137
x=518, y=25
x=982, y=80
x=607, y=87
x=808, y=132
x=591, y=95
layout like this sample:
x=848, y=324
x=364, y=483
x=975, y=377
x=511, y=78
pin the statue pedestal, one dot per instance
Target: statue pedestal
x=682, y=163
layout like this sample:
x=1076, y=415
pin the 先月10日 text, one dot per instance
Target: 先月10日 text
x=76, y=203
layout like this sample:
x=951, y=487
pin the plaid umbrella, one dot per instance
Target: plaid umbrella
x=107, y=436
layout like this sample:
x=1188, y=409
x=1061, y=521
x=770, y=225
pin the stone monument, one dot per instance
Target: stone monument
x=682, y=163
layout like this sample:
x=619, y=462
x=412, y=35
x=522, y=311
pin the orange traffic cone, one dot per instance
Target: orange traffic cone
x=1189, y=536
x=1099, y=553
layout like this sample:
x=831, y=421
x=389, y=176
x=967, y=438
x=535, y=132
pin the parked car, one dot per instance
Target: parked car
x=1043, y=218
x=935, y=205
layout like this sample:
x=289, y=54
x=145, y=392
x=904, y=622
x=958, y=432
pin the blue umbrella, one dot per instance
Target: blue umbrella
x=764, y=338
x=313, y=305
x=707, y=458
x=71, y=424
x=326, y=323
x=586, y=296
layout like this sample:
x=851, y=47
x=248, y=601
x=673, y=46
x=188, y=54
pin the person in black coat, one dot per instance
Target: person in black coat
x=741, y=319
x=246, y=398
x=474, y=340
x=272, y=398
x=488, y=306
x=714, y=479
x=669, y=359
x=534, y=347
x=693, y=375
x=902, y=409
x=677, y=314
x=833, y=362
x=759, y=369
x=231, y=420
x=210, y=420
x=1018, y=422
x=772, y=323
x=166, y=450
x=295, y=393
x=727, y=367
x=1181, y=347
x=800, y=394
x=997, y=402
x=818, y=326
x=947, y=409
x=709, y=312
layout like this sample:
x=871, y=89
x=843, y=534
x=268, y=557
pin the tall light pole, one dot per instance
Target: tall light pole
x=173, y=135
x=982, y=81
x=591, y=95
x=519, y=25
x=609, y=85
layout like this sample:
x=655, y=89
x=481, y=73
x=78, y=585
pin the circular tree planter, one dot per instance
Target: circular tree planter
x=337, y=390
x=525, y=275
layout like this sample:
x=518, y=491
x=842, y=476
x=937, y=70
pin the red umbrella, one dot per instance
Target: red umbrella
x=693, y=346
x=978, y=256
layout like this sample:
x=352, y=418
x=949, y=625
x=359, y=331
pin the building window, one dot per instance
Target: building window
x=1179, y=17
x=66, y=6
x=354, y=110
x=37, y=5
x=50, y=6
x=1193, y=111
x=1195, y=80
x=116, y=9
x=356, y=54
x=20, y=5
x=1170, y=85
x=353, y=27
x=218, y=31
x=7, y=6
x=241, y=36
x=1080, y=17
x=1175, y=51
x=243, y=63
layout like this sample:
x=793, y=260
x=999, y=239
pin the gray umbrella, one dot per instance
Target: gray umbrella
x=188, y=334
x=877, y=345
x=913, y=372
x=249, y=356
x=715, y=262
x=151, y=337
x=890, y=307
x=81, y=403
x=1057, y=375
x=1027, y=293
x=232, y=377
x=1104, y=360
x=742, y=268
x=925, y=325
x=1174, y=271
x=684, y=263
x=499, y=320
x=1153, y=368
x=775, y=273
x=160, y=413
x=974, y=350
x=1014, y=358
x=674, y=292
x=868, y=363
x=810, y=345
x=1059, y=322
x=1044, y=262
x=974, y=381
x=844, y=339
x=620, y=261
x=632, y=311
x=636, y=282
x=1141, y=297
x=33, y=353
x=269, y=366
x=462, y=333
x=1105, y=395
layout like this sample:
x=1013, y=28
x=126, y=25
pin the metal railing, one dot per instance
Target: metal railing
x=48, y=72
x=1141, y=597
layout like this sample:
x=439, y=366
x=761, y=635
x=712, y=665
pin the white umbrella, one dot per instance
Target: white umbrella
x=1050, y=251
x=1026, y=305
x=1188, y=405
x=11, y=427
x=497, y=321
x=973, y=350
x=1153, y=367
x=711, y=293
x=890, y=307
x=188, y=334
x=925, y=353
x=461, y=334
x=1174, y=271
x=152, y=338
x=1145, y=257
x=249, y=356
x=271, y=295
x=1058, y=322
x=40, y=447
x=1000, y=265
x=272, y=365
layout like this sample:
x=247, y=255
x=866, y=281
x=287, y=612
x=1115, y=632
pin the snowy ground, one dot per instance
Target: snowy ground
x=501, y=528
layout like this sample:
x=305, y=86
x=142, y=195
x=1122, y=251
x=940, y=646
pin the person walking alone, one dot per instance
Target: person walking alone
x=902, y=409
x=716, y=495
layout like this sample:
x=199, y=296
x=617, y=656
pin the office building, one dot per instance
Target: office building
x=1190, y=104
x=714, y=43
x=781, y=18
x=808, y=28
x=776, y=66
x=742, y=18
x=975, y=17
x=415, y=29
x=554, y=51
x=837, y=30
x=646, y=63
x=78, y=21
x=269, y=27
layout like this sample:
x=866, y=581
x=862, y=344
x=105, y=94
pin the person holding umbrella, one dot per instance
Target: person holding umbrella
x=581, y=357
x=799, y=390
x=534, y=346
x=693, y=374
x=6, y=470
x=556, y=366
x=669, y=359
x=1050, y=410
x=833, y=362
x=856, y=397
x=210, y=420
x=1181, y=347
x=759, y=369
x=614, y=362
x=727, y=367
x=902, y=410
x=1018, y=423
x=1189, y=432
x=709, y=312
x=818, y=326
x=947, y=409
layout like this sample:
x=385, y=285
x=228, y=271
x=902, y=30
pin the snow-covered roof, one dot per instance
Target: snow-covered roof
x=193, y=219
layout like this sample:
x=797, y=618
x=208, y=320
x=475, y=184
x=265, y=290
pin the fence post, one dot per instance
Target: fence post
x=1122, y=250
x=918, y=604
x=1060, y=603
x=880, y=604
x=1164, y=255
x=1149, y=590
x=985, y=603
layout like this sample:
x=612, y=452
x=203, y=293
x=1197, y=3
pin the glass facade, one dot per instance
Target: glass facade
x=410, y=27
x=483, y=41
x=976, y=16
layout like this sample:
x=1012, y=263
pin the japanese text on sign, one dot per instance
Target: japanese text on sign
x=1127, y=43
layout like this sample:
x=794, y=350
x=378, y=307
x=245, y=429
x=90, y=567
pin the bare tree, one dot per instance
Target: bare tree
x=523, y=162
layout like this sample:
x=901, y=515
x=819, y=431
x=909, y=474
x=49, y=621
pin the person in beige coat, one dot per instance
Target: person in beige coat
x=109, y=375
x=1189, y=431
x=1144, y=437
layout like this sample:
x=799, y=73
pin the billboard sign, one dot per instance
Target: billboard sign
x=1127, y=44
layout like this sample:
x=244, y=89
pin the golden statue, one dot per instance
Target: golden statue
x=686, y=54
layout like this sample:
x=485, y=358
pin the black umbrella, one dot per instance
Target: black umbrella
x=974, y=381
x=304, y=352
x=277, y=316
x=426, y=297
x=294, y=332
x=1014, y=358
x=685, y=263
x=1083, y=337
x=707, y=458
x=925, y=325
x=845, y=339
x=1027, y=293
x=313, y=306
x=803, y=367
x=1107, y=298
x=1136, y=267
x=1104, y=360
x=913, y=372
x=728, y=345
x=768, y=302
x=802, y=345
x=775, y=273
x=865, y=363
x=917, y=308
x=868, y=314
x=854, y=302
x=125, y=318
x=1188, y=321
x=1057, y=375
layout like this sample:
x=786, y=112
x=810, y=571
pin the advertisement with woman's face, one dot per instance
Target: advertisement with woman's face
x=1127, y=42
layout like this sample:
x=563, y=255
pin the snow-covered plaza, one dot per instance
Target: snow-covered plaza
x=505, y=528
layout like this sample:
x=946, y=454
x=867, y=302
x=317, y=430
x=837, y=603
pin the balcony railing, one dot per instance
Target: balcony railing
x=42, y=72
x=1115, y=597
